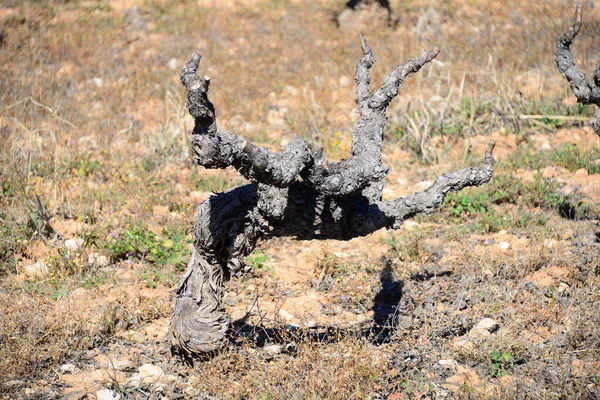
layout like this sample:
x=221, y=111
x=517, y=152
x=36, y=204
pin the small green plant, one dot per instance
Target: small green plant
x=58, y=294
x=9, y=187
x=85, y=166
x=543, y=193
x=407, y=248
x=569, y=156
x=92, y=281
x=500, y=363
x=154, y=277
x=138, y=242
x=467, y=202
x=62, y=265
x=256, y=260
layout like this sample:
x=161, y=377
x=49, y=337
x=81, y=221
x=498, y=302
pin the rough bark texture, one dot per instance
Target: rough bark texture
x=292, y=193
x=586, y=92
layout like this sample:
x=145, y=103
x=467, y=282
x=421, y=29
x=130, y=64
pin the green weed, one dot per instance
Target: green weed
x=569, y=156
x=138, y=242
x=85, y=166
x=256, y=260
x=500, y=364
x=154, y=277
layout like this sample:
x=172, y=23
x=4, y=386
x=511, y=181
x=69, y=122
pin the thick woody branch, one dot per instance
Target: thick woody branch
x=389, y=88
x=586, y=92
x=425, y=202
x=392, y=214
x=314, y=217
x=361, y=73
x=220, y=150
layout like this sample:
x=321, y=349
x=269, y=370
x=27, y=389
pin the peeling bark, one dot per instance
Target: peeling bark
x=291, y=193
x=586, y=92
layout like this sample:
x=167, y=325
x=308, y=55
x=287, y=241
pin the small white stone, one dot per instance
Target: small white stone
x=581, y=172
x=450, y=364
x=121, y=364
x=173, y=64
x=486, y=324
x=107, y=394
x=562, y=288
x=273, y=349
x=74, y=244
x=150, y=373
x=99, y=82
x=411, y=225
x=67, y=368
x=133, y=336
x=545, y=146
x=98, y=260
x=134, y=380
x=504, y=246
x=291, y=90
x=36, y=270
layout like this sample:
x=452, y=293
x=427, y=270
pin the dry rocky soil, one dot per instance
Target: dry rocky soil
x=496, y=296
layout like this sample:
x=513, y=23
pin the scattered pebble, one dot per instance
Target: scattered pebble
x=173, y=64
x=36, y=270
x=562, y=288
x=16, y=382
x=486, y=325
x=67, y=368
x=133, y=336
x=273, y=349
x=581, y=172
x=107, y=394
x=504, y=246
x=5, y=12
x=550, y=243
x=74, y=244
x=449, y=363
x=150, y=373
x=411, y=225
x=98, y=260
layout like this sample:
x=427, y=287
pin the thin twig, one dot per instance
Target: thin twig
x=555, y=117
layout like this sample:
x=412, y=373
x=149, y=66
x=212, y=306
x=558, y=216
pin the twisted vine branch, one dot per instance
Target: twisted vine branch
x=585, y=91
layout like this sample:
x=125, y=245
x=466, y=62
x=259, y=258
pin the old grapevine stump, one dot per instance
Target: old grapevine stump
x=291, y=193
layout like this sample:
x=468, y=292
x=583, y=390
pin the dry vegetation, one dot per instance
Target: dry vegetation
x=98, y=194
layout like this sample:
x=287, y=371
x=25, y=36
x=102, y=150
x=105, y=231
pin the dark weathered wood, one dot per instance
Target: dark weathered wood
x=292, y=193
x=586, y=92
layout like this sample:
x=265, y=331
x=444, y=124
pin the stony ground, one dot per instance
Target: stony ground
x=495, y=296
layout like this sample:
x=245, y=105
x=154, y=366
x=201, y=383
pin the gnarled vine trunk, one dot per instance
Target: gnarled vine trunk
x=291, y=193
x=586, y=92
